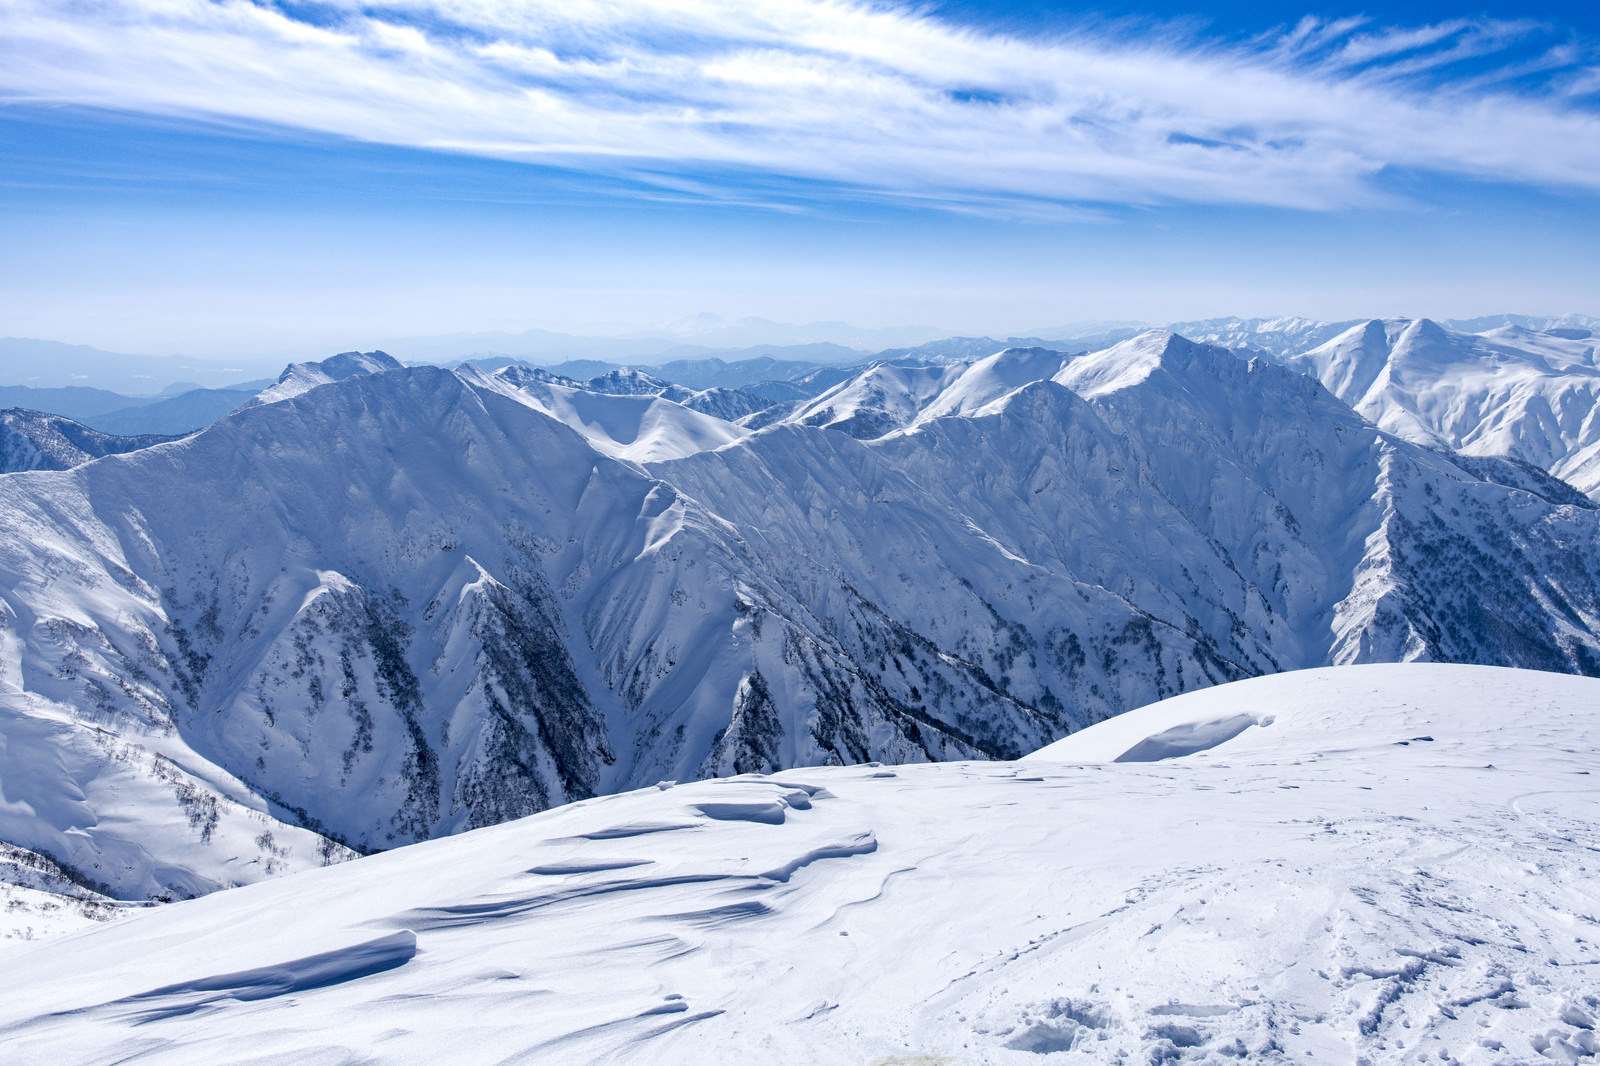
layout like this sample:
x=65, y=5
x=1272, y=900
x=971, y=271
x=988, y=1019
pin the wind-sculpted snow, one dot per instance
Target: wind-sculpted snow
x=1391, y=864
x=410, y=602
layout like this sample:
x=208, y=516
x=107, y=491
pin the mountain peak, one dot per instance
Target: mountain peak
x=627, y=381
x=341, y=366
x=1124, y=365
x=302, y=377
x=1425, y=329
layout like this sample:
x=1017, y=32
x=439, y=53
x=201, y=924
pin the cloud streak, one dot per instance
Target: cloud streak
x=877, y=100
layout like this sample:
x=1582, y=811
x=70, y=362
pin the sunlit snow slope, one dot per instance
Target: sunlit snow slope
x=1379, y=864
x=1510, y=391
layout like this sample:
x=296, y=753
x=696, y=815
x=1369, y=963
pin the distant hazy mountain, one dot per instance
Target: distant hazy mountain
x=173, y=413
x=957, y=349
x=51, y=364
x=77, y=402
x=1092, y=327
x=1538, y=323
x=1275, y=336
x=713, y=331
x=183, y=413
x=739, y=370
x=749, y=339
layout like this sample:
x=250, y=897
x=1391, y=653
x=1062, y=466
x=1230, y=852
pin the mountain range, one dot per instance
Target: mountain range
x=1507, y=391
x=1513, y=385
x=381, y=604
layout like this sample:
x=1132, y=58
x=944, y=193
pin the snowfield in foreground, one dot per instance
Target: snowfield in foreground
x=1388, y=863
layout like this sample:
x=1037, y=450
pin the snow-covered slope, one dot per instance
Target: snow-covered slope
x=33, y=440
x=1241, y=501
x=1386, y=864
x=726, y=404
x=1511, y=391
x=890, y=396
x=414, y=602
x=882, y=398
x=624, y=414
x=988, y=379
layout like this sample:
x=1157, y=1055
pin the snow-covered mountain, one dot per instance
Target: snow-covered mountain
x=1539, y=323
x=33, y=440
x=412, y=602
x=302, y=377
x=1285, y=336
x=1510, y=391
x=894, y=395
x=623, y=414
x=1377, y=864
x=1507, y=386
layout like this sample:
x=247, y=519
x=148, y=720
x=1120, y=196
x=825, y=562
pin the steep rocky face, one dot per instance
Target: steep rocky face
x=413, y=602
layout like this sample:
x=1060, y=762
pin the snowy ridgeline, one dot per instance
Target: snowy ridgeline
x=1376, y=864
x=382, y=605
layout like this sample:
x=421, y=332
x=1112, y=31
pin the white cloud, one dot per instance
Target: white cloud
x=879, y=99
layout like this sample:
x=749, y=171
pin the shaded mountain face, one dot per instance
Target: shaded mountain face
x=33, y=440
x=411, y=602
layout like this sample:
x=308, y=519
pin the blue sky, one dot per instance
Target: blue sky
x=232, y=177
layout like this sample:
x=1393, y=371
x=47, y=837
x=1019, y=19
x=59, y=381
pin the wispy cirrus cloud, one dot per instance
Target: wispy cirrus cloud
x=876, y=99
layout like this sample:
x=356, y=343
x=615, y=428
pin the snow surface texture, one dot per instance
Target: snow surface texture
x=1392, y=864
x=410, y=603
